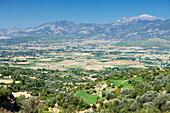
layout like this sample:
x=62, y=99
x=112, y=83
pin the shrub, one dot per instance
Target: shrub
x=126, y=91
x=162, y=101
x=65, y=105
x=31, y=105
x=103, y=94
x=147, y=97
x=134, y=106
x=116, y=102
x=110, y=95
x=94, y=107
x=168, y=88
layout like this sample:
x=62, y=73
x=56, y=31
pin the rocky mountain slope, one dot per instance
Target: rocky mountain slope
x=126, y=28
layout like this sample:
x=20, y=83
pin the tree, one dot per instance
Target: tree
x=103, y=94
x=65, y=105
x=78, y=108
x=168, y=88
x=161, y=101
x=110, y=95
x=71, y=108
x=94, y=107
x=81, y=101
x=147, y=97
x=113, y=85
x=116, y=102
x=134, y=106
x=31, y=105
x=126, y=91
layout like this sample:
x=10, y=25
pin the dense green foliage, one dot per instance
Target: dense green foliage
x=126, y=89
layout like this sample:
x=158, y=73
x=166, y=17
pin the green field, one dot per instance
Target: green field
x=124, y=82
x=90, y=99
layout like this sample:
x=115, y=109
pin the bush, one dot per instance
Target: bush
x=110, y=95
x=50, y=102
x=126, y=91
x=125, y=102
x=120, y=86
x=116, y=102
x=147, y=97
x=65, y=105
x=168, y=88
x=94, y=107
x=31, y=105
x=103, y=94
x=162, y=101
x=78, y=108
x=34, y=93
x=134, y=106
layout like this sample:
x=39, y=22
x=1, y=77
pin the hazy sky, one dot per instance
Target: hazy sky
x=30, y=13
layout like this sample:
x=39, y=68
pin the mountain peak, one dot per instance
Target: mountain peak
x=148, y=17
x=143, y=17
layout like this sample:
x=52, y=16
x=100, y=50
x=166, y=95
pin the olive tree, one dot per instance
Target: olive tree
x=110, y=95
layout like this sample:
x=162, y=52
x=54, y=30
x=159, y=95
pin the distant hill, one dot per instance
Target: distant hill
x=162, y=43
x=126, y=28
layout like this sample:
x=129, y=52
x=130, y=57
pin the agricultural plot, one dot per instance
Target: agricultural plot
x=90, y=99
x=88, y=55
x=124, y=82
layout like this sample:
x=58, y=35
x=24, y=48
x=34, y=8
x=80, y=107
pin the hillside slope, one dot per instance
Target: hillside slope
x=162, y=43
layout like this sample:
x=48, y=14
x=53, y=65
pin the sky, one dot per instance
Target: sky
x=30, y=13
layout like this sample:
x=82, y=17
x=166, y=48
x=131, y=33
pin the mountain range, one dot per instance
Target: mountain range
x=124, y=29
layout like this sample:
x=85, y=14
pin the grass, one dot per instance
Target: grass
x=138, y=78
x=118, y=81
x=52, y=61
x=123, y=65
x=72, y=66
x=149, y=62
x=125, y=84
x=32, y=64
x=103, y=61
x=90, y=99
x=105, y=92
x=121, y=82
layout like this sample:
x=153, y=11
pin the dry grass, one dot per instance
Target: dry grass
x=48, y=59
x=5, y=37
x=8, y=81
x=94, y=67
x=19, y=58
x=23, y=63
x=91, y=64
x=33, y=77
x=137, y=66
x=83, y=54
x=17, y=94
x=121, y=62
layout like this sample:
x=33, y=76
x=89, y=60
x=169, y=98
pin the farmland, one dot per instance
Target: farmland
x=90, y=99
x=85, y=54
x=84, y=75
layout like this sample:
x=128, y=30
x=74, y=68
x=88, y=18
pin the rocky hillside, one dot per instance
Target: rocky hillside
x=126, y=28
